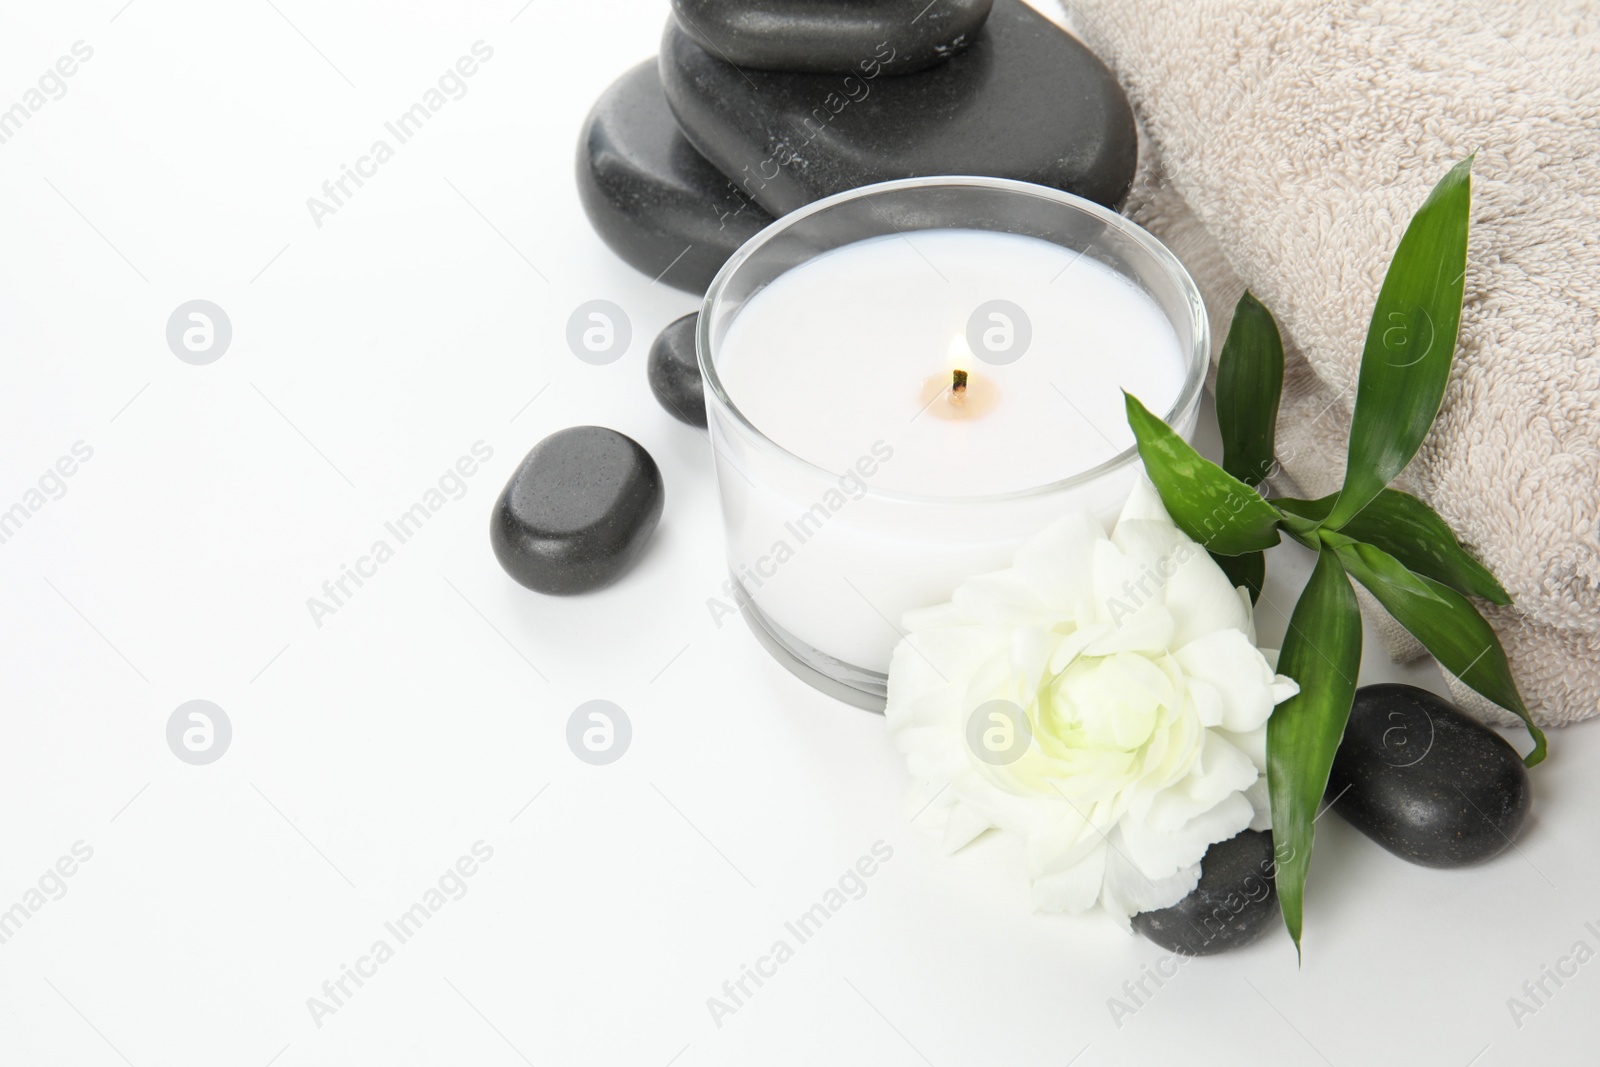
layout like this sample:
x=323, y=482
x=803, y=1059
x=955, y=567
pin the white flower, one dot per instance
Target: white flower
x=1139, y=703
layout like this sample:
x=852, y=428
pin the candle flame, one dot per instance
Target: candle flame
x=957, y=354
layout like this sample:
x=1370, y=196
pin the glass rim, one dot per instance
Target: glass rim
x=1199, y=355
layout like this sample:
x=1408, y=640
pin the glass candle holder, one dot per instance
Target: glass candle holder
x=898, y=397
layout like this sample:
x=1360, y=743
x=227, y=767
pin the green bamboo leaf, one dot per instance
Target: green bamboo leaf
x=1219, y=511
x=1412, y=533
x=1410, y=344
x=1249, y=385
x=1315, y=510
x=1447, y=625
x=1322, y=652
x=1248, y=570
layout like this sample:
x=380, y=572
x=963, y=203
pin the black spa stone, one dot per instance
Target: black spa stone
x=675, y=372
x=1234, y=904
x=650, y=196
x=1427, y=781
x=829, y=37
x=1025, y=101
x=578, y=511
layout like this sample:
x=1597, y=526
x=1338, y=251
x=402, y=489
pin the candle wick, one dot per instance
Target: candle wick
x=958, y=386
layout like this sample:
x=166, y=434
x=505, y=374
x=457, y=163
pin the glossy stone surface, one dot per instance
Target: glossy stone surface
x=578, y=511
x=1024, y=101
x=675, y=372
x=829, y=37
x=1426, y=781
x=652, y=198
x=1234, y=904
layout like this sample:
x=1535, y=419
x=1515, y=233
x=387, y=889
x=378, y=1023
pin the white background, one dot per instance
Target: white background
x=368, y=754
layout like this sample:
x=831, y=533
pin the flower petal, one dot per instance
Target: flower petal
x=1053, y=562
x=1260, y=804
x=1201, y=598
x=1129, y=891
x=1139, y=623
x=1144, y=502
x=1236, y=669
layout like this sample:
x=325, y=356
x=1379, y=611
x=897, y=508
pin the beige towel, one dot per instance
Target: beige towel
x=1287, y=143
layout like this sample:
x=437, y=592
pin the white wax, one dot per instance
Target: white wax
x=835, y=361
x=833, y=355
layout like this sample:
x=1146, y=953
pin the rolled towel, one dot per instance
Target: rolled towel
x=1287, y=144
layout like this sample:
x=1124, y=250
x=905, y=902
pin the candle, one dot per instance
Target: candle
x=839, y=352
x=898, y=398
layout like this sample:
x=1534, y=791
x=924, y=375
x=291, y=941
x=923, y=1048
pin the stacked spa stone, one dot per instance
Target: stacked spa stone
x=757, y=107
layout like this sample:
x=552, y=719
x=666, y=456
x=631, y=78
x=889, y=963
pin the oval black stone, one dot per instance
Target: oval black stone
x=675, y=371
x=828, y=37
x=1233, y=905
x=1026, y=101
x=650, y=196
x=577, y=511
x=1426, y=781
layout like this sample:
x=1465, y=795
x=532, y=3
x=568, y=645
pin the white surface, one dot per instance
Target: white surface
x=372, y=752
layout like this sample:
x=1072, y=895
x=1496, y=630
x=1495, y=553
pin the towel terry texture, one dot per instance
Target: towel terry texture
x=1286, y=145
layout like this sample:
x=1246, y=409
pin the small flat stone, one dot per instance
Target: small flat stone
x=1025, y=100
x=650, y=196
x=1233, y=905
x=827, y=37
x=675, y=371
x=578, y=511
x=1426, y=781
